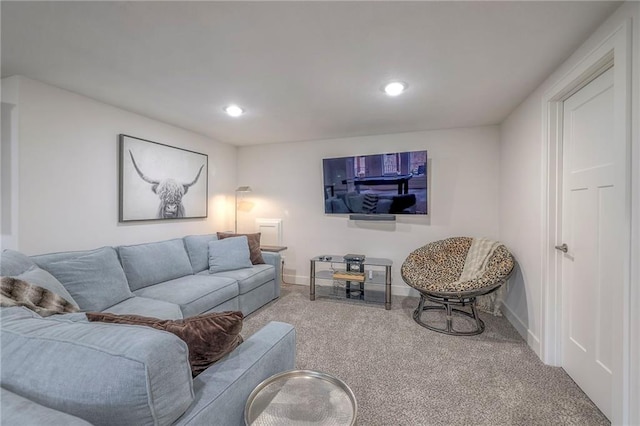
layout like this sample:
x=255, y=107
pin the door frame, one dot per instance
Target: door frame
x=613, y=50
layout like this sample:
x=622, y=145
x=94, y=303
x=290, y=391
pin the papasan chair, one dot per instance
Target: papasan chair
x=454, y=272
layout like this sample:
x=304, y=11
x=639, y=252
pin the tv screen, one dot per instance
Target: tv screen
x=376, y=184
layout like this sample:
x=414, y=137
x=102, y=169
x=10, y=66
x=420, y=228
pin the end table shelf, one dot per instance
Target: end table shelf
x=349, y=276
x=370, y=283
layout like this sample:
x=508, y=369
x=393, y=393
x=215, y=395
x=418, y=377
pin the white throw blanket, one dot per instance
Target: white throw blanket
x=475, y=264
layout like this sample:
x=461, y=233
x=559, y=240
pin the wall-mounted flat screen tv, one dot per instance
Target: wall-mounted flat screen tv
x=380, y=184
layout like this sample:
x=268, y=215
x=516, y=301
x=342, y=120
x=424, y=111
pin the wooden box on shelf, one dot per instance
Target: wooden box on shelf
x=349, y=276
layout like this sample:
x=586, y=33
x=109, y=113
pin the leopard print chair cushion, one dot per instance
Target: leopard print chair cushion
x=436, y=268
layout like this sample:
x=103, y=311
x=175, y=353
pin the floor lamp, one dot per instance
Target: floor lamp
x=241, y=189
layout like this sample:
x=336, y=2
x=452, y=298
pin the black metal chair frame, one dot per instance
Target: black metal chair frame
x=446, y=301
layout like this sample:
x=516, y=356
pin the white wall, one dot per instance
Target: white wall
x=287, y=183
x=522, y=164
x=68, y=173
x=521, y=216
x=9, y=158
x=634, y=297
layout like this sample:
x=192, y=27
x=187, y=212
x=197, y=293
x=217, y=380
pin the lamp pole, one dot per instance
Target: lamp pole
x=239, y=189
x=235, y=230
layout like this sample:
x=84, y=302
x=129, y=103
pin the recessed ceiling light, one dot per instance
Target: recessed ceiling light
x=395, y=88
x=233, y=110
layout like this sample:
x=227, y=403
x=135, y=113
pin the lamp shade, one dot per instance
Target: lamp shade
x=243, y=189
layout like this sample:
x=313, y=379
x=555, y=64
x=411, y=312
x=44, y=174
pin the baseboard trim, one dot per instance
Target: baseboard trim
x=532, y=340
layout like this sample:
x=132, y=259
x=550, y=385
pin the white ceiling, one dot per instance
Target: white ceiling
x=302, y=70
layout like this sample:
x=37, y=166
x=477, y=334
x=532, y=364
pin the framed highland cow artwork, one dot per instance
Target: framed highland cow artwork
x=160, y=182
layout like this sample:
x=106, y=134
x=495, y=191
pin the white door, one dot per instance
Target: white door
x=592, y=220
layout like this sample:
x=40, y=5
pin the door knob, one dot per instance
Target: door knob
x=563, y=248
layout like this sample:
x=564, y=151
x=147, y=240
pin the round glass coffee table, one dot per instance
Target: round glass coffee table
x=301, y=397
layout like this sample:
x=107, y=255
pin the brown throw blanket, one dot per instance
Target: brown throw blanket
x=15, y=292
x=208, y=336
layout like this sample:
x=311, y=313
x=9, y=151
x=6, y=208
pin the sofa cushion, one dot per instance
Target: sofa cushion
x=18, y=411
x=43, y=260
x=354, y=201
x=209, y=337
x=254, y=245
x=152, y=263
x=14, y=263
x=336, y=205
x=137, y=305
x=95, y=280
x=249, y=278
x=198, y=250
x=16, y=292
x=229, y=254
x=102, y=373
x=257, y=297
x=44, y=279
x=194, y=294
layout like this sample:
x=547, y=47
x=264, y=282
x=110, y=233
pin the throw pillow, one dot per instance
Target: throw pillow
x=14, y=263
x=198, y=250
x=254, y=245
x=42, y=278
x=369, y=203
x=209, y=336
x=96, y=280
x=402, y=202
x=229, y=254
x=16, y=292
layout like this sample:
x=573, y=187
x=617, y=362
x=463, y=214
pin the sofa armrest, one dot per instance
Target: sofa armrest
x=221, y=391
x=274, y=259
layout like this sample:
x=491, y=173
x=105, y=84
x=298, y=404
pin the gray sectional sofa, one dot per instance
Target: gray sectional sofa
x=63, y=369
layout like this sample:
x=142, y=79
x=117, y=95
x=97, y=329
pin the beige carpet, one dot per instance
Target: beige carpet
x=404, y=374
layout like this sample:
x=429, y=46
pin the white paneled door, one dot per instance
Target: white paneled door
x=592, y=221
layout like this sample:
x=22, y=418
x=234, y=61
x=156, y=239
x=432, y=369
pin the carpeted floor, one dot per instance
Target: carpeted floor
x=404, y=374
